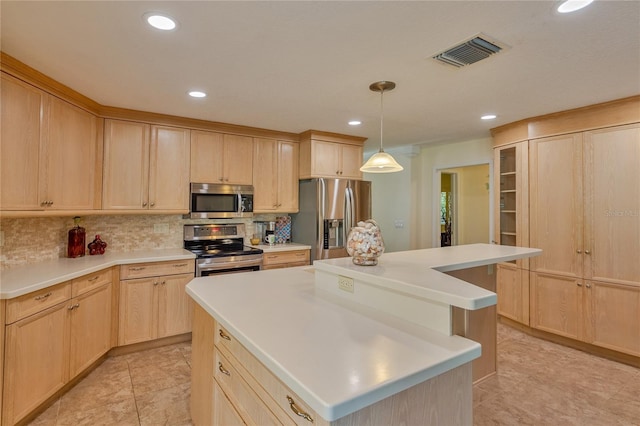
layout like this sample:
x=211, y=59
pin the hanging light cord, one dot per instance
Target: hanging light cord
x=381, y=118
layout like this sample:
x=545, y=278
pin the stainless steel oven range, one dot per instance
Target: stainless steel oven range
x=220, y=249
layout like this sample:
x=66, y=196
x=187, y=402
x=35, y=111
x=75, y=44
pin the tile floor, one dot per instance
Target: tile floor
x=538, y=383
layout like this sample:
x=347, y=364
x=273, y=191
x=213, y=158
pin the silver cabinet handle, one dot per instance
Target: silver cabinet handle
x=72, y=307
x=588, y=285
x=579, y=251
x=93, y=279
x=587, y=252
x=579, y=284
x=223, y=335
x=44, y=296
x=139, y=268
x=223, y=370
x=156, y=283
x=297, y=411
x=179, y=265
x=152, y=204
x=144, y=204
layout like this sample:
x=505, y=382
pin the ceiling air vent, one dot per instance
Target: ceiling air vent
x=468, y=52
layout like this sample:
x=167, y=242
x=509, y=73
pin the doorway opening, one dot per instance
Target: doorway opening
x=464, y=205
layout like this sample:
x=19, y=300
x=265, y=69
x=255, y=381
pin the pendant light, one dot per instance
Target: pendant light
x=381, y=162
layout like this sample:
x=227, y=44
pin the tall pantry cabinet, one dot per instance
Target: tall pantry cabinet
x=569, y=184
x=585, y=216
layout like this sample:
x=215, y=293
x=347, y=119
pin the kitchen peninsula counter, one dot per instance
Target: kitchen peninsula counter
x=21, y=280
x=337, y=354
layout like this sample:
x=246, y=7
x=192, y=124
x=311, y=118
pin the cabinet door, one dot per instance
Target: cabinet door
x=22, y=107
x=238, y=160
x=556, y=205
x=126, y=165
x=351, y=161
x=613, y=318
x=169, y=169
x=206, y=157
x=90, y=328
x=223, y=411
x=175, y=307
x=36, y=362
x=288, y=176
x=612, y=204
x=325, y=159
x=71, y=155
x=265, y=174
x=138, y=310
x=512, y=287
x=556, y=305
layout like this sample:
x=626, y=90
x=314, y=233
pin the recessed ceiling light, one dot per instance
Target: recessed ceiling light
x=488, y=117
x=197, y=94
x=159, y=21
x=355, y=123
x=573, y=5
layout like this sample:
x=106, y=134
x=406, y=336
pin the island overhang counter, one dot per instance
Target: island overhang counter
x=338, y=356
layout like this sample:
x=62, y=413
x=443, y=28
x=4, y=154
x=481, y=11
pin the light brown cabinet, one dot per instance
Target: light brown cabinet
x=50, y=152
x=154, y=304
x=330, y=155
x=285, y=259
x=47, y=347
x=221, y=158
x=145, y=167
x=275, y=176
x=585, y=199
x=511, y=228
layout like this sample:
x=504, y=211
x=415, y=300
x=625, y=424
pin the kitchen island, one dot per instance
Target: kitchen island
x=287, y=348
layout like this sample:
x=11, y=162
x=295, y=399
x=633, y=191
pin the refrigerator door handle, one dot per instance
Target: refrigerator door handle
x=322, y=206
x=348, y=214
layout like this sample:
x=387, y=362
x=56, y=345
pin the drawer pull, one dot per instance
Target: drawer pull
x=223, y=370
x=93, y=279
x=179, y=265
x=44, y=296
x=297, y=411
x=223, y=335
x=139, y=268
x=72, y=307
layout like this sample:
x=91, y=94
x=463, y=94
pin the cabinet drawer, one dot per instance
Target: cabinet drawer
x=29, y=304
x=269, y=388
x=295, y=256
x=153, y=269
x=249, y=405
x=89, y=282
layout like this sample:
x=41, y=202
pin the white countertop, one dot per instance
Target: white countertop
x=338, y=356
x=15, y=282
x=281, y=247
x=419, y=272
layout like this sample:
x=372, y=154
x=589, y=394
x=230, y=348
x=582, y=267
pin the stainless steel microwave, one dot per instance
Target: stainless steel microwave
x=219, y=201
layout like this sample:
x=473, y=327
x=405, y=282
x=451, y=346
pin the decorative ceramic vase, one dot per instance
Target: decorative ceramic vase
x=365, y=244
x=77, y=235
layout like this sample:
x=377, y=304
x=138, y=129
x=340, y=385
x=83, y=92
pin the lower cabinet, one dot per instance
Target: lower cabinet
x=599, y=313
x=223, y=411
x=285, y=259
x=154, y=305
x=47, y=348
x=512, y=288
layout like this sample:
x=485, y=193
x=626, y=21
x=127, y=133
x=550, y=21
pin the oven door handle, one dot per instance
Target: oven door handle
x=229, y=265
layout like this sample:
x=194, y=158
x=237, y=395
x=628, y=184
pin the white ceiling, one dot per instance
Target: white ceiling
x=294, y=66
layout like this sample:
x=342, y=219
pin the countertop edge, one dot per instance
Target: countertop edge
x=84, y=266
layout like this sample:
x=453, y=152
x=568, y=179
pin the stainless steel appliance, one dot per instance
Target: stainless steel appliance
x=219, y=201
x=220, y=249
x=329, y=208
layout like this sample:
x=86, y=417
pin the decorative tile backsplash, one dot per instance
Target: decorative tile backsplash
x=31, y=240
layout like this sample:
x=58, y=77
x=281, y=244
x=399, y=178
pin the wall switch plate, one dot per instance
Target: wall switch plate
x=161, y=228
x=345, y=283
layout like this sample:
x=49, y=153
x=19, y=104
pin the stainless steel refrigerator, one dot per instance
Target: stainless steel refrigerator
x=329, y=208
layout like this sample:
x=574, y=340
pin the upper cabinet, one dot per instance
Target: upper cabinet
x=50, y=152
x=275, y=176
x=330, y=155
x=221, y=158
x=145, y=167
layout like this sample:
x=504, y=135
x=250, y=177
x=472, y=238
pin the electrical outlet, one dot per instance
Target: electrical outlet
x=160, y=228
x=345, y=283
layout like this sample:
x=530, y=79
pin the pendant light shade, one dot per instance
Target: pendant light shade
x=381, y=162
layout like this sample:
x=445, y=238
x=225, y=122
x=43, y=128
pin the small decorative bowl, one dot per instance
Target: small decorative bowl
x=255, y=241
